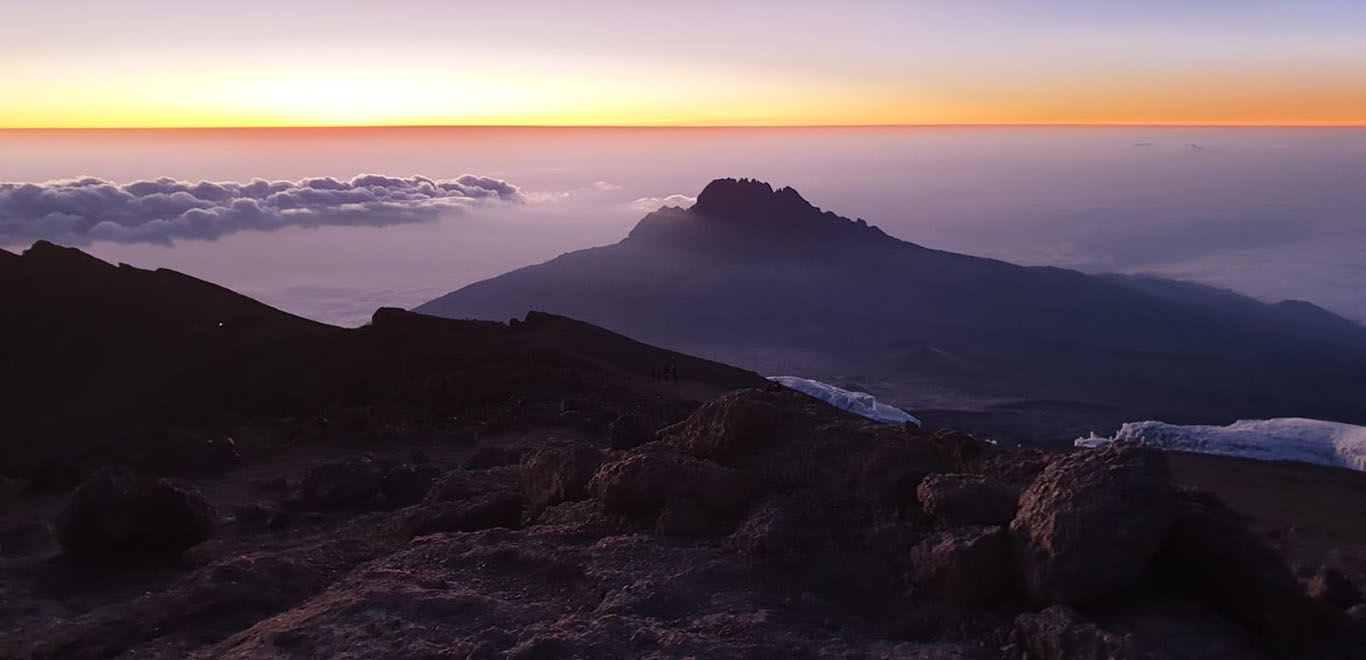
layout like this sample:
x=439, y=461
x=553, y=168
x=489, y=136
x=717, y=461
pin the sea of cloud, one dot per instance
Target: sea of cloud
x=88, y=209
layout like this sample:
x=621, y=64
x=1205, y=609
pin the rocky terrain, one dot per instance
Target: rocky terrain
x=546, y=489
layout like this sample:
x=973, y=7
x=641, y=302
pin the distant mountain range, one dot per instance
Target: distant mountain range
x=760, y=278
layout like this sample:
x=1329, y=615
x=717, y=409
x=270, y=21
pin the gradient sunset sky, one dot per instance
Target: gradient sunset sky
x=169, y=63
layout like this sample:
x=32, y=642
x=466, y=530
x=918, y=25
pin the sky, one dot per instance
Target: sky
x=181, y=63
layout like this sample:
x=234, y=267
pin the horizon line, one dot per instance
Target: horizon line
x=15, y=129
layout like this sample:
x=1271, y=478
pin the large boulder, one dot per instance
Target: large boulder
x=1212, y=555
x=1092, y=522
x=966, y=567
x=555, y=474
x=654, y=478
x=344, y=481
x=966, y=499
x=116, y=516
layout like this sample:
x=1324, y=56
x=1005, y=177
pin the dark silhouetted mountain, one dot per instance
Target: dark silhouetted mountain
x=760, y=278
x=100, y=359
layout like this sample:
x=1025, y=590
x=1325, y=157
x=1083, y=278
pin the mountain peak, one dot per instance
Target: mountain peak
x=748, y=197
x=750, y=210
x=58, y=256
x=727, y=197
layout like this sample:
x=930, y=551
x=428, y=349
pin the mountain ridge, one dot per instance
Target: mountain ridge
x=761, y=278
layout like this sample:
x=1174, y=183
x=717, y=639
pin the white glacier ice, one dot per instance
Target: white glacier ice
x=859, y=403
x=1284, y=439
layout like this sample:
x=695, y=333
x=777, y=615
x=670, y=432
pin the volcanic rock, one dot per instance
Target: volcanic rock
x=655, y=477
x=1059, y=633
x=555, y=474
x=964, y=566
x=1212, y=555
x=488, y=456
x=261, y=515
x=113, y=515
x=500, y=509
x=966, y=499
x=784, y=525
x=462, y=484
x=630, y=430
x=342, y=481
x=407, y=483
x=1091, y=523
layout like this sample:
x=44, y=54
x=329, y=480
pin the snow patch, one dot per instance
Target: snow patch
x=1284, y=439
x=859, y=403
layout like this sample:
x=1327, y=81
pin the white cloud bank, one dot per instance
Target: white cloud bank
x=648, y=204
x=80, y=211
x=1283, y=439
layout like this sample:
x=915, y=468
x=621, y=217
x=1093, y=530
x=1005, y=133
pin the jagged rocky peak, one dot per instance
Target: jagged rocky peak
x=749, y=198
x=753, y=208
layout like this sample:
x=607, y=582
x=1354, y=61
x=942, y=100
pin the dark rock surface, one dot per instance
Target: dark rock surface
x=966, y=499
x=1213, y=556
x=116, y=516
x=685, y=494
x=967, y=566
x=1059, y=633
x=1092, y=522
x=339, y=482
x=1330, y=587
x=555, y=474
x=408, y=484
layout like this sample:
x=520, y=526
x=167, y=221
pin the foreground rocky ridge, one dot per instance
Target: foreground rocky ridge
x=765, y=524
x=545, y=489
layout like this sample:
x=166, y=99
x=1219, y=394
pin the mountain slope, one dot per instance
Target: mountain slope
x=758, y=277
x=102, y=359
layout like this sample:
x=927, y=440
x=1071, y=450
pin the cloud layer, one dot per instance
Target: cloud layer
x=80, y=211
x=648, y=204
